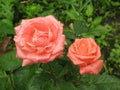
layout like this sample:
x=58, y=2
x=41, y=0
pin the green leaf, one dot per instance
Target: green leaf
x=5, y=83
x=80, y=27
x=6, y=26
x=89, y=10
x=64, y=70
x=22, y=77
x=106, y=82
x=99, y=82
x=70, y=36
x=47, y=12
x=72, y=14
x=115, y=3
x=9, y=61
x=69, y=33
x=96, y=21
x=97, y=31
x=65, y=85
x=6, y=8
x=84, y=87
x=54, y=66
x=41, y=81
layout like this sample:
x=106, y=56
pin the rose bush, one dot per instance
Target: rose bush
x=39, y=40
x=85, y=53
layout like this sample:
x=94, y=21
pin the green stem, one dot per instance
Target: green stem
x=106, y=70
x=11, y=80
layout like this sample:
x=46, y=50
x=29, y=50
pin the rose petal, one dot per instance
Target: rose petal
x=93, y=68
x=92, y=41
x=98, y=53
x=27, y=62
x=57, y=55
x=72, y=52
x=59, y=44
x=20, y=53
x=49, y=48
x=75, y=60
x=55, y=27
x=37, y=57
x=17, y=29
x=86, y=59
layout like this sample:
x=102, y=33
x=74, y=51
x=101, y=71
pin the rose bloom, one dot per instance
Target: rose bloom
x=39, y=40
x=85, y=53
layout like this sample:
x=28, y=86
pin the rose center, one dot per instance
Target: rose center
x=40, y=38
x=83, y=49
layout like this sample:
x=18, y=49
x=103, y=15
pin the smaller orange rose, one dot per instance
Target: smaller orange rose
x=85, y=53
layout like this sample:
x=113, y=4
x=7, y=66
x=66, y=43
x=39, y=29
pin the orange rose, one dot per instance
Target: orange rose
x=39, y=40
x=85, y=53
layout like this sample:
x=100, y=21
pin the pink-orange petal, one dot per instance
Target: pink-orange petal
x=59, y=44
x=27, y=62
x=20, y=53
x=93, y=68
x=75, y=60
x=17, y=29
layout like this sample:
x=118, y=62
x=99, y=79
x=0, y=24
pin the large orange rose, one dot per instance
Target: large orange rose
x=85, y=53
x=39, y=40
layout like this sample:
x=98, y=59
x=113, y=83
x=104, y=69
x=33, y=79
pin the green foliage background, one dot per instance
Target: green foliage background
x=81, y=18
